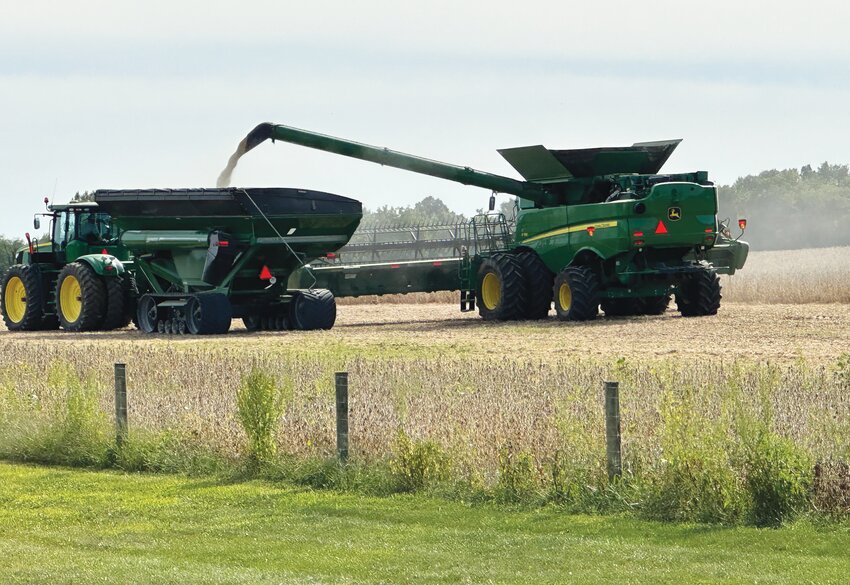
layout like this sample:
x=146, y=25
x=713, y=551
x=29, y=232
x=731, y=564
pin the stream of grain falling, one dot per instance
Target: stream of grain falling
x=225, y=176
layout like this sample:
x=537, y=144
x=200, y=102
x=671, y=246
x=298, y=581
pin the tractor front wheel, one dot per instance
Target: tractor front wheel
x=699, y=295
x=502, y=288
x=576, y=293
x=22, y=299
x=80, y=298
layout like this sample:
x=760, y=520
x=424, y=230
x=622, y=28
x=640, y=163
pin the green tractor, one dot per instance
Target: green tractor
x=179, y=261
x=594, y=227
x=76, y=280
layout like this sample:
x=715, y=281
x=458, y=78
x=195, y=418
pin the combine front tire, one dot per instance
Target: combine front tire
x=576, y=294
x=208, y=314
x=539, y=279
x=310, y=310
x=699, y=295
x=80, y=298
x=22, y=298
x=622, y=307
x=655, y=305
x=502, y=288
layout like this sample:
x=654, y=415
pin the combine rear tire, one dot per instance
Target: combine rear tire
x=208, y=314
x=22, y=299
x=502, y=288
x=310, y=310
x=117, y=315
x=540, y=280
x=699, y=295
x=576, y=294
x=80, y=298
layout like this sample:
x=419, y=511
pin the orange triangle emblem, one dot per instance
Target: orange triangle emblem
x=660, y=228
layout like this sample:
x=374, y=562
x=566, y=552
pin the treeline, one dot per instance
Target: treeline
x=791, y=208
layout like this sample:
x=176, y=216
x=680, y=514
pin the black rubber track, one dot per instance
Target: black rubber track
x=92, y=297
x=514, y=288
x=622, y=307
x=34, y=312
x=699, y=295
x=655, y=305
x=312, y=309
x=540, y=280
x=208, y=314
x=117, y=315
x=584, y=285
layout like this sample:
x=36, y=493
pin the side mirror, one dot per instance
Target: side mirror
x=36, y=223
x=492, y=202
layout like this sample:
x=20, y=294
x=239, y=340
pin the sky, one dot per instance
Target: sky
x=97, y=94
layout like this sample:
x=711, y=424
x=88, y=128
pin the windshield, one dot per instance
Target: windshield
x=94, y=227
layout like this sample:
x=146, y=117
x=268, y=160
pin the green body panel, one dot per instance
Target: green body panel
x=383, y=278
x=104, y=265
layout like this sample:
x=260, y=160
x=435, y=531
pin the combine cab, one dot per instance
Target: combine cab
x=598, y=227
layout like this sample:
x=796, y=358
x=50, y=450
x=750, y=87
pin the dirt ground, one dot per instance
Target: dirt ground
x=762, y=332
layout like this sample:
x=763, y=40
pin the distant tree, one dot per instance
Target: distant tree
x=429, y=210
x=84, y=196
x=8, y=247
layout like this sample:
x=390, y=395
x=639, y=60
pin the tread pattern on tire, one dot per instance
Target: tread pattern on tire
x=116, y=316
x=655, y=305
x=700, y=295
x=92, y=297
x=540, y=281
x=584, y=285
x=514, y=288
x=312, y=309
x=34, y=314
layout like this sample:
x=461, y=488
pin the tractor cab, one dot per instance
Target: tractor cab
x=75, y=229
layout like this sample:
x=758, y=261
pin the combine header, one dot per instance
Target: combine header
x=594, y=227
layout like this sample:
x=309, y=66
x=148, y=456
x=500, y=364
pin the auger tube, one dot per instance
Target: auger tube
x=400, y=160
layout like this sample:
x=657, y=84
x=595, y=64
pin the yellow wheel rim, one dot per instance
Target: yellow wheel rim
x=565, y=297
x=71, y=299
x=491, y=291
x=16, y=299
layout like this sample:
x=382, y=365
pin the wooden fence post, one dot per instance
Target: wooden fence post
x=120, y=403
x=341, y=379
x=612, y=429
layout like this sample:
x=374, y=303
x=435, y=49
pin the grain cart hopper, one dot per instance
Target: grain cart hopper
x=181, y=260
x=594, y=226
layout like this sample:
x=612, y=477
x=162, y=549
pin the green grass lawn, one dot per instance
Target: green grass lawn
x=68, y=526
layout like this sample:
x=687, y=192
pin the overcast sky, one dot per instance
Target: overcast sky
x=158, y=94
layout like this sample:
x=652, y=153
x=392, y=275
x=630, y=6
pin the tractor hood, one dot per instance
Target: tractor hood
x=541, y=165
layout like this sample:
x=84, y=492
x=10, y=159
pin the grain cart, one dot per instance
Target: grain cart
x=596, y=226
x=182, y=260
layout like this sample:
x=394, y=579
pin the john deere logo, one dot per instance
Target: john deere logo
x=674, y=213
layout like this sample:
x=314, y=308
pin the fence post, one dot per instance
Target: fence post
x=341, y=379
x=120, y=403
x=612, y=429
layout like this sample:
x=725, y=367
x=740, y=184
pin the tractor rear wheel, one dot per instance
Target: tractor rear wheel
x=502, y=288
x=22, y=299
x=80, y=298
x=576, y=293
x=539, y=279
x=117, y=315
x=699, y=295
x=655, y=305
x=208, y=314
x=310, y=310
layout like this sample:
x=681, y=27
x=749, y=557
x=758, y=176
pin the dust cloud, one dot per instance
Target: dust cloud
x=225, y=176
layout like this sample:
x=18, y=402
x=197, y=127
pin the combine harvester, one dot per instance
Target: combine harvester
x=178, y=261
x=593, y=227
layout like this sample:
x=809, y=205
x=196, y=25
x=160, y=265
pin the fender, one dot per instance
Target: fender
x=104, y=265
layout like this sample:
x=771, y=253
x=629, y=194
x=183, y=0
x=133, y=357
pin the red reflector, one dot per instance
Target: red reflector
x=395, y=265
x=639, y=243
x=590, y=230
x=742, y=223
x=709, y=230
x=660, y=228
x=330, y=255
x=104, y=251
x=265, y=273
x=110, y=268
x=223, y=243
x=436, y=264
x=638, y=234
